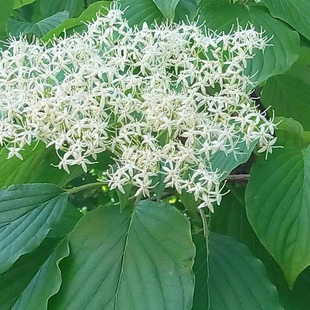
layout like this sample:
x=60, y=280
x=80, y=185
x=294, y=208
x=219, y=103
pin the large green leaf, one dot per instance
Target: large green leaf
x=187, y=9
x=20, y=3
x=294, y=12
x=66, y=223
x=45, y=283
x=36, y=167
x=27, y=213
x=167, y=7
x=277, y=58
x=14, y=282
x=39, y=29
x=6, y=9
x=141, y=11
x=231, y=220
x=278, y=207
x=288, y=94
x=35, y=277
x=74, y=7
x=139, y=259
x=231, y=277
x=88, y=15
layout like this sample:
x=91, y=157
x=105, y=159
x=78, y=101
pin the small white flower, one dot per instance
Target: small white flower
x=163, y=99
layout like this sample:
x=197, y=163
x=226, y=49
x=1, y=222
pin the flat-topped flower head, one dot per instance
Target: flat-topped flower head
x=163, y=99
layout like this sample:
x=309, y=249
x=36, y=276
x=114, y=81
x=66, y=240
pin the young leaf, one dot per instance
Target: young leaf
x=231, y=278
x=27, y=213
x=278, y=206
x=277, y=58
x=139, y=259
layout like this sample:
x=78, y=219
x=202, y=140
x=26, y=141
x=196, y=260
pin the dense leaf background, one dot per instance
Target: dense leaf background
x=62, y=248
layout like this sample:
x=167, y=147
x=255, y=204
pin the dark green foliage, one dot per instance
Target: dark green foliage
x=67, y=245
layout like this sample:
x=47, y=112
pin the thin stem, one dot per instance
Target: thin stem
x=77, y=189
x=238, y=177
x=206, y=234
x=204, y=223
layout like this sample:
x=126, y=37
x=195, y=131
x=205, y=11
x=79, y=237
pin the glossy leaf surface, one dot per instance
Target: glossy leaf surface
x=134, y=260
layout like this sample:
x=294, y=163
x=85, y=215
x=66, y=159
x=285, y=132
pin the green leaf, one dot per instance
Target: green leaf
x=39, y=29
x=69, y=24
x=124, y=197
x=45, y=283
x=231, y=220
x=66, y=223
x=36, y=167
x=289, y=125
x=299, y=298
x=27, y=213
x=304, y=56
x=6, y=9
x=225, y=163
x=235, y=280
x=278, y=206
x=190, y=204
x=290, y=132
x=304, y=140
x=141, y=11
x=20, y=3
x=167, y=7
x=34, y=278
x=288, y=94
x=294, y=12
x=140, y=259
x=284, y=43
x=48, y=7
x=29, y=13
x=187, y=9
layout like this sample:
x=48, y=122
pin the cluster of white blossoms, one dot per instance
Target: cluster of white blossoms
x=163, y=99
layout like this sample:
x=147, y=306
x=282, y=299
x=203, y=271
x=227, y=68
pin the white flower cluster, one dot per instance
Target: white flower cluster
x=163, y=99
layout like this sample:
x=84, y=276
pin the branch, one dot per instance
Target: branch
x=238, y=178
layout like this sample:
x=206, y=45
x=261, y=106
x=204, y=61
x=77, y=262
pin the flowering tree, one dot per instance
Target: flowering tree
x=126, y=144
